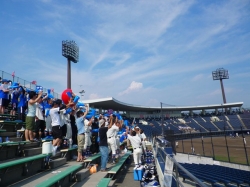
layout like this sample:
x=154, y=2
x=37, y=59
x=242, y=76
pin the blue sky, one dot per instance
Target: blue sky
x=139, y=52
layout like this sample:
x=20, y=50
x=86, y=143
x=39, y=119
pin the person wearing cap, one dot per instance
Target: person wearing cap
x=103, y=144
x=136, y=144
x=94, y=148
x=48, y=105
x=143, y=140
x=30, y=118
x=87, y=126
x=73, y=126
x=14, y=98
x=4, y=96
x=40, y=122
x=56, y=123
x=81, y=133
x=22, y=104
x=111, y=134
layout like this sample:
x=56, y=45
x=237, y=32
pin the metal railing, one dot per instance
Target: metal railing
x=24, y=83
x=177, y=167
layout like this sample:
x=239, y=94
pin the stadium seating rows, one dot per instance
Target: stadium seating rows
x=218, y=174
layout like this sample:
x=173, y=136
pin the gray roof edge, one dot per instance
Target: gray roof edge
x=236, y=104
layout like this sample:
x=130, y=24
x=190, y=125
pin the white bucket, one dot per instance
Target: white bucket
x=47, y=148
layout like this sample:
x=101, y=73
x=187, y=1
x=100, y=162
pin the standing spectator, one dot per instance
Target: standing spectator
x=56, y=123
x=136, y=144
x=81, y=133
x=30, y=118
x=143, y=140
x=63, y=121
x=103, y=145
x=40, y=122
x=21, y=107
x=111, y=134
x=73, y=127
x=48, y=106
x=14, y=102
x=87, y=126
x=94, y=148
x=4, y=96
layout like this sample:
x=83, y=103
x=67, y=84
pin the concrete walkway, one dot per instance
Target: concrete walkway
x=40, y=177
x=125, y=178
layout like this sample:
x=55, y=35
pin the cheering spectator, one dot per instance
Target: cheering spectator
x=30, y=118
x=103, y=144
x=4, y=96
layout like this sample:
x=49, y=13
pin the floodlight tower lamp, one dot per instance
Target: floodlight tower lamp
x=221, y=74
x=70, y=50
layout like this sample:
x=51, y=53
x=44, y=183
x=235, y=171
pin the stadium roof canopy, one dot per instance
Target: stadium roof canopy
x=112, y=103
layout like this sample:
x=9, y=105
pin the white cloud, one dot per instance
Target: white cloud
x=134, y=86
x=197, y=77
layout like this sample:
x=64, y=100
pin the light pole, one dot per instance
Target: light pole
x=70, y=50
x=162, y=128
x=220, y=74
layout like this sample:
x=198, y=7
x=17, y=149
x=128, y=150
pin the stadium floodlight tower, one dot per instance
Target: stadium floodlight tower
x=70, y=50
x=221, y=74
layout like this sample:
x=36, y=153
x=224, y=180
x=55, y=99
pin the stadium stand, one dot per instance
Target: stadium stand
x=215, y=174
x=245, y=117
x=26, y=158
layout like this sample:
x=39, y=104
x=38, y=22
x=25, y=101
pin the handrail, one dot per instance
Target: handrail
x=195, y=179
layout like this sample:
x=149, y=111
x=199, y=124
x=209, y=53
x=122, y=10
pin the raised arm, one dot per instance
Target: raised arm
x=86, y=111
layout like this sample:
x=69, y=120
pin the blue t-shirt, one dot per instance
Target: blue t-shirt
x=123, y=137
x=1, y=94
x=22, y=101
x=4, y=95
x=15, y=96
x=80, y=125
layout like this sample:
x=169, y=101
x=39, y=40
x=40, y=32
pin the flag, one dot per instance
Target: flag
x=33, y=82
x=13, y=74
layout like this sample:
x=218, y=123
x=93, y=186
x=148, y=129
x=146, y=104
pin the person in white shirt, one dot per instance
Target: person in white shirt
x=87, y=127
x=56, y=122
x=30, y=118
x=111, y=135
x=137, y=147
x=143, y=138
x=40, y=122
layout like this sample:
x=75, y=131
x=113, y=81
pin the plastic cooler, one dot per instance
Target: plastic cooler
x=138, y=173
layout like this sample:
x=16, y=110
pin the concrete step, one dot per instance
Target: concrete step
x=57, y=162
x=9, y=134
x=82, y=174
x=15, y=139
x=42, y=176
x=32, y=151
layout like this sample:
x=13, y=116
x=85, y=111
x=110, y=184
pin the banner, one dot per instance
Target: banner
x=168, y=172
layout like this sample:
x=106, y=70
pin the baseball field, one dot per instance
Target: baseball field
x=227, y=149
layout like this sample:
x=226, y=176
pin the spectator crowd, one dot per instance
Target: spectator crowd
x=74, y=123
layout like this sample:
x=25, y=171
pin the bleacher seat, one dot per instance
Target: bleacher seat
x=215, y=174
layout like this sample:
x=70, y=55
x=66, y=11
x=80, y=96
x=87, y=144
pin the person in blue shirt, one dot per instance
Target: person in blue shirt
x=4, y=96
x=81, y=133
x=21, y=107
x=123, y=137
x=14, y=102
